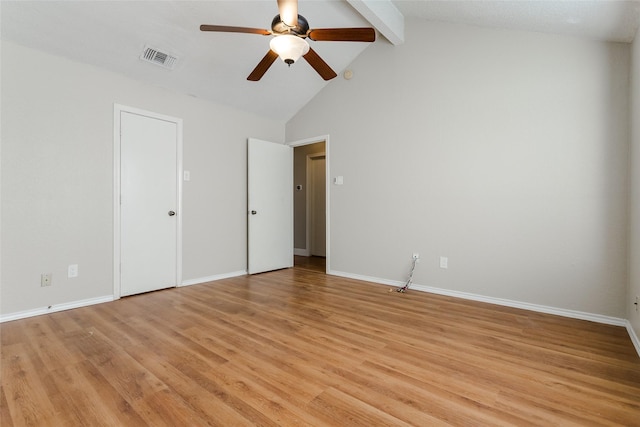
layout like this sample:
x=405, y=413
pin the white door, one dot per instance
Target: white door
x=270, y=203
x=318, y=206
x=149, y=206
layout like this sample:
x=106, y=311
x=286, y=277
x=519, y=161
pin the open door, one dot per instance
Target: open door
x=270, y=203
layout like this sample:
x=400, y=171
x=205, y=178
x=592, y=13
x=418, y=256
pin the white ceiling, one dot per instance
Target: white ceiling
x=605, y=20
x=214, y=66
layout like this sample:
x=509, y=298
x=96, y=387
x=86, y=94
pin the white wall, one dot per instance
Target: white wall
x=57, y=177
x=634, y=253
x=504, y=151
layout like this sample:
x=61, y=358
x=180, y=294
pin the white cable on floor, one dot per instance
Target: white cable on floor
x=406, y=286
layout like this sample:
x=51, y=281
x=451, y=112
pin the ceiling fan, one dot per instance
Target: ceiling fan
x=290, y=32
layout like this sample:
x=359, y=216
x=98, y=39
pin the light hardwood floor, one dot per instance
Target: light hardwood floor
x=313, y=263
x=297, y=347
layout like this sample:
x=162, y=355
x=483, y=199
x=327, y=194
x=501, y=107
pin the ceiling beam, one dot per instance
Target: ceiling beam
x=384, y=16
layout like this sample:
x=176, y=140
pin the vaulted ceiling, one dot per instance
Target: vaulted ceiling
x=214, y=66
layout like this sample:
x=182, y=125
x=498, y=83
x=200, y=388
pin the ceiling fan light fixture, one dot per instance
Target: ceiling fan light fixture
x=289, y=48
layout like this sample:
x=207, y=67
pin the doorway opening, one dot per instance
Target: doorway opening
x=310, y=201
x=312, y=263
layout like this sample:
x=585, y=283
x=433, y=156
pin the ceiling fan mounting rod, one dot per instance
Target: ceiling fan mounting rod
x=279, y=27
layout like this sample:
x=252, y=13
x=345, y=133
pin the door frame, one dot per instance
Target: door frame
x=308, y=141
x=310, y=195
x=118, y=109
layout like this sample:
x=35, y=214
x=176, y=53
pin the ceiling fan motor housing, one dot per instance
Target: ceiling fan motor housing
x=279, y=27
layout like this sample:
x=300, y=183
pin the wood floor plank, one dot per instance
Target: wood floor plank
x=51, y=351
x=5, y=416
x=76, y=401
x=195, y=395
x=339, y=408
x=23, y=386
x=298, y=347
x=110, y=399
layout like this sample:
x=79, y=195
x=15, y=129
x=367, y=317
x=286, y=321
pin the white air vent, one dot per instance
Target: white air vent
x=155, y=56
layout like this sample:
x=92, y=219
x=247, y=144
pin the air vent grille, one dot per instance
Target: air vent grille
x=155, y=56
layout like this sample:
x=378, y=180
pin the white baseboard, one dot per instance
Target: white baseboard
x=634, y=337
x=598, y=318
x=301, y=252
x=213, y=278
x=375, y=280
x=582, y=315
x=84, y=303
x=54, y=308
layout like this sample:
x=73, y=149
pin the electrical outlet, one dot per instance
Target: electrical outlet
x=444, y=262
x=72, y=270
x=45, y=279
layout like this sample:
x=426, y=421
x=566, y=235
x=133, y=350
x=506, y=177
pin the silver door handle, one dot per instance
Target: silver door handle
x=171, y=213
x=253, y=212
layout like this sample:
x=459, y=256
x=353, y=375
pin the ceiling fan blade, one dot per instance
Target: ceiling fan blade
x=288, y=12
x=227, y=29
x=319, y=65
x=263, y=66
x=343, y=34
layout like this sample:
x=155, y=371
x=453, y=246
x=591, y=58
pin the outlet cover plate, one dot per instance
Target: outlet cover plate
x=444, y=262
x=45, y=279
x=73, y=270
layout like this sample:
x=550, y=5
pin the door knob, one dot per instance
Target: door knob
x=171, y=213
x=253, y=212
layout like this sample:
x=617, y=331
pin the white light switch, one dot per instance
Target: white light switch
x=187, y=175
x=338, y=180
